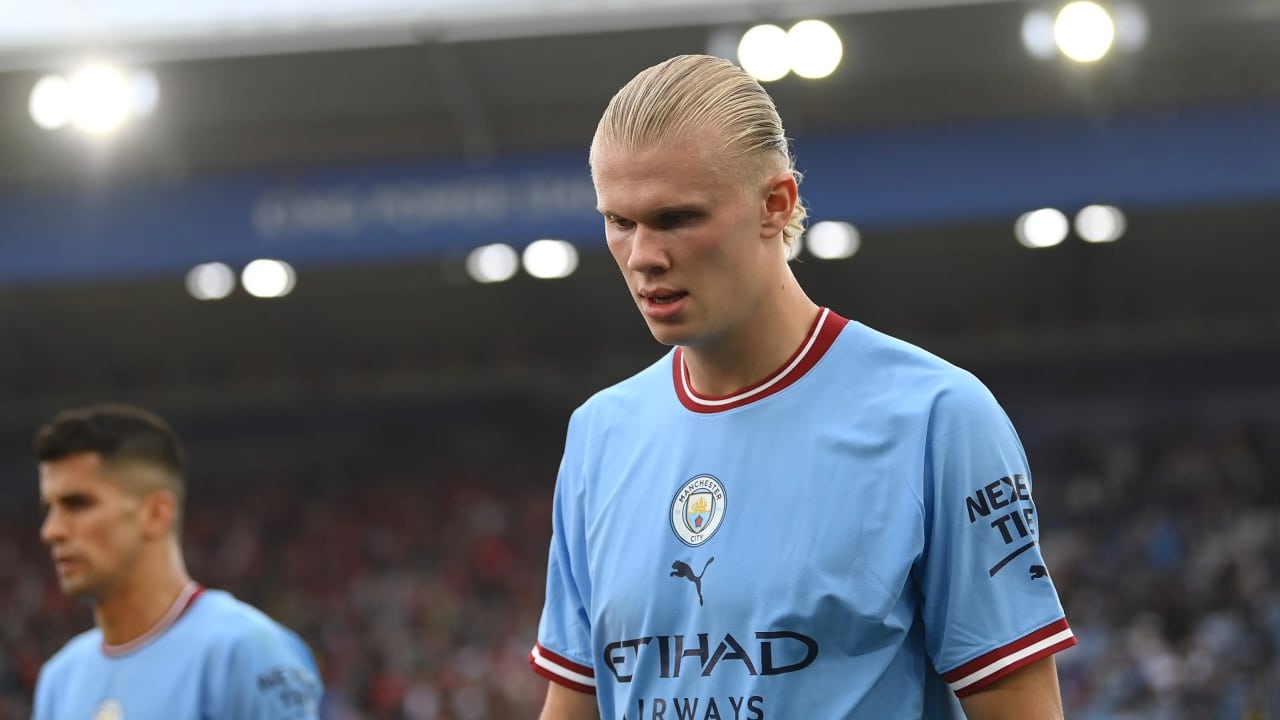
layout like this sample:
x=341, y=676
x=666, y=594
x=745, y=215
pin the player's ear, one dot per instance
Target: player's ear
x=159, y=514
x=781, y=193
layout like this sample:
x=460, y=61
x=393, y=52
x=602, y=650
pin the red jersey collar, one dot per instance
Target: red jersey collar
x=826, y=326
x=185, y=598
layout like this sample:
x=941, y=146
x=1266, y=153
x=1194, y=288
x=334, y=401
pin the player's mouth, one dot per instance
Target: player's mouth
x=662, y=303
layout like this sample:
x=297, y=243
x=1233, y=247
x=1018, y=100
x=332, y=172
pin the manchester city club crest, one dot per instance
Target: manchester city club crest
x=110, y=709
x=698, y=509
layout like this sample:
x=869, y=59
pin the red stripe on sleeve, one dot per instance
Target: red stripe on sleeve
x=977, y=665
x=587, y=689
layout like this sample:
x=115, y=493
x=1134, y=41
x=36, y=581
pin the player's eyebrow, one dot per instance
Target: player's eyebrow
x=74, y=498
x=680, y=209
x=670, y=209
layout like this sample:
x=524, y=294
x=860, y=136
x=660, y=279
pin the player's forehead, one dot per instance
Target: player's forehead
x=81, y=473
x=633, y=181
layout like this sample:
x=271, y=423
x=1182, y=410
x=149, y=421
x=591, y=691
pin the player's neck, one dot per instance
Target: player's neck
x=746, y=355
x=142, y=599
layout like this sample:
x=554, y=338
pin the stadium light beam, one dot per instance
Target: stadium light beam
x=52, y=102
x=268, y=278
x=103, y=99
x=1100, y=224
x=1042, y=228
x=830, y=240
x=1084, y=31
x=97, y=99
x=813, y=49
x=763, y=53
x=550, y=259
x=1037, y=35
x=492, y=263
x=210, y=281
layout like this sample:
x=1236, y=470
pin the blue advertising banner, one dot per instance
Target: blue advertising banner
x=888, y=179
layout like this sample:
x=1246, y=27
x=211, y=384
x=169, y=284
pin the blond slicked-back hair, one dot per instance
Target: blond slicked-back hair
x=690, y=94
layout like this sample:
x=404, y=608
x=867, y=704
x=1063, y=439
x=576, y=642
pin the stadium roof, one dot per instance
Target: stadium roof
x=1186, y=281
x=477, y=88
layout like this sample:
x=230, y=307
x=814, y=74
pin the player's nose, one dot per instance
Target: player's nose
x=648, y=251
x=53, y=529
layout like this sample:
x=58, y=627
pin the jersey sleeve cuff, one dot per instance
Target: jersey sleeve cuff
x=981, y=672
x=562, y=670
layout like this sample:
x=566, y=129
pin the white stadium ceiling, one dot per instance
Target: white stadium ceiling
x=36, y=34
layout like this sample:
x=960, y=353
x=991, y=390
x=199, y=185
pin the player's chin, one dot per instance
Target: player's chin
x=667, y=333
x=76, y=586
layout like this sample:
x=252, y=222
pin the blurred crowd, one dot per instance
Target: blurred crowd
x=415, y=571
x=1165, y=547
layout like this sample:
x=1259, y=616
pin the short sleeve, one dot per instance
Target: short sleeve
x=270, y=675
x=44, y=696
x=990, y=606
x=563, y=651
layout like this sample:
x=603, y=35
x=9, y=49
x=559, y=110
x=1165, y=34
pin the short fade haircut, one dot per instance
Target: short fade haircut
x=689, y=94
x=119, y=434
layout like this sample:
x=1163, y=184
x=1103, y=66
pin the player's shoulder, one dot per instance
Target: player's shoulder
x=256, y=667
x=942, y=391
x=861, y=343
x=223, y=618
x=224, y=612
x=878, y=354
x=79, y=648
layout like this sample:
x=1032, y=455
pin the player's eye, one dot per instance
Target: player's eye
x=672, y=220
x=76, y=502
x=619, y=222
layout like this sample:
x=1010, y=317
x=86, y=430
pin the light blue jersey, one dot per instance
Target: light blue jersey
x=853, y=537
x=211, y=658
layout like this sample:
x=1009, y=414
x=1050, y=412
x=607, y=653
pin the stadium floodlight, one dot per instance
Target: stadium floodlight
x=52, y=102
x=1084, y=31
x=1100, y=224
x=550, y=259
x=1041, y=228
x=763, y=53
x=493, y=263
x=813, y=49
x=1037, y=34
x=831, y=240
x=97, y=99
x=268, y=278
x=102, y=98
x=210, y=281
